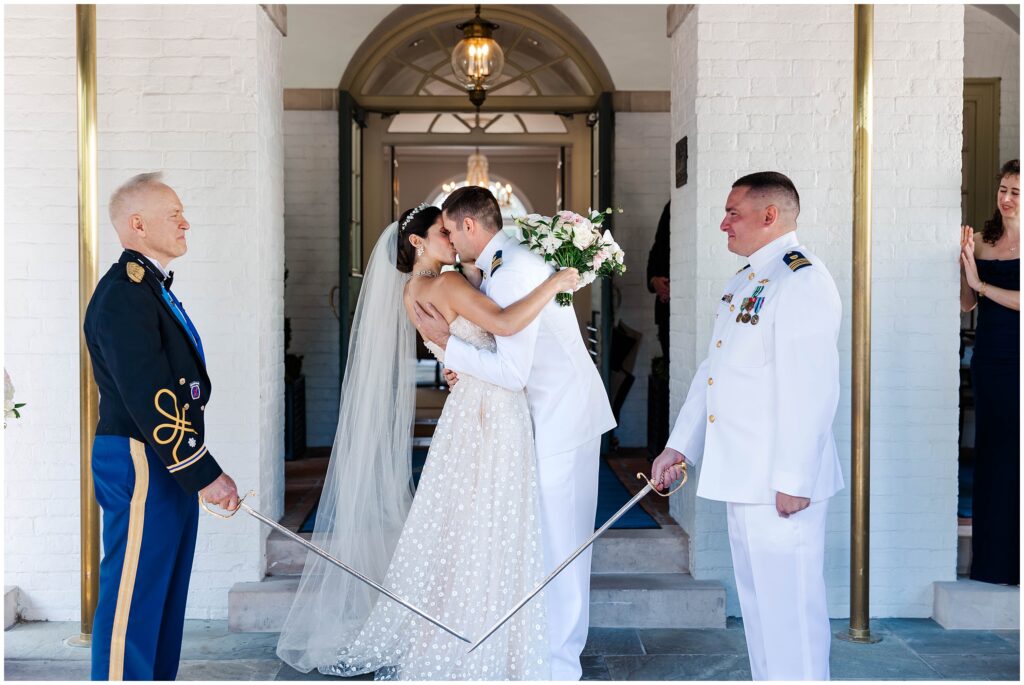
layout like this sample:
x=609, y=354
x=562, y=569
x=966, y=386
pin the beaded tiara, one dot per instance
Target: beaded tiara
x=414, y=212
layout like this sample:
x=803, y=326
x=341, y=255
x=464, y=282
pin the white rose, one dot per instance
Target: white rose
x=583, y=235
x=8, y=396
x=607, y=238
x=550, y=244
x=586, y=278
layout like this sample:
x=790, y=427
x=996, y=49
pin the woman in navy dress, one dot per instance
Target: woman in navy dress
x=990, y=281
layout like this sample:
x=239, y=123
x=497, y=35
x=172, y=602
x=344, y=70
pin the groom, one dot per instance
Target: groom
x=567, y=400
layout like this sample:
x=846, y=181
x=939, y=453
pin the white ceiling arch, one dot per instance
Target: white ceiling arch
x=323, y=40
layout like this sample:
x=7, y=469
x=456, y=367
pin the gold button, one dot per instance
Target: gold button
x=181, y=381
x=711, y=381
x=718, y=344
x=711, y=418
x=732, y=307
x=202, y=407
x=751, y=276
x=185, y=408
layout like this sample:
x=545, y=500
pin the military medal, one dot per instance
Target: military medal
x=749, y=305
x=757, y=308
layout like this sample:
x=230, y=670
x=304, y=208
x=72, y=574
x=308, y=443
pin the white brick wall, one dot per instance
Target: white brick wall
x=641, y=188
x=312, y=254
x=917, y=179
x=782, y=100
x=992, y=49
x=193, y=90
x=41, y=309
x=270, y=268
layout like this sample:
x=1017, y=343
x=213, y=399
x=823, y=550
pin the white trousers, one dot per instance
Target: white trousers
x=779, y=566
x=568, y=500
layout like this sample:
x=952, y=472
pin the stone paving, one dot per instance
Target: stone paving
x=911, y=649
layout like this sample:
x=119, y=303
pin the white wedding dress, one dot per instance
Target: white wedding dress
x=470, y=549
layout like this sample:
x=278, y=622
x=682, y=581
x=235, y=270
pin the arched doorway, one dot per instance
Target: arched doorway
x=401, y=93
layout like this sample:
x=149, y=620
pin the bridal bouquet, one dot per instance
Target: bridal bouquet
x=568, y=239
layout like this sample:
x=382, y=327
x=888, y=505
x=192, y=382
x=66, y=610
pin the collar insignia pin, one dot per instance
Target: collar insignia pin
x=135, y=272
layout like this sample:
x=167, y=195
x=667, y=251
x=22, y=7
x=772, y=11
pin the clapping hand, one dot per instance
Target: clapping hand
x=967, y=266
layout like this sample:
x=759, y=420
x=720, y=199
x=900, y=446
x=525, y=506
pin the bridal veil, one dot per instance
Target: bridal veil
x=368, y=489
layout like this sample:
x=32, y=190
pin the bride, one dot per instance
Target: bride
x=470, y=543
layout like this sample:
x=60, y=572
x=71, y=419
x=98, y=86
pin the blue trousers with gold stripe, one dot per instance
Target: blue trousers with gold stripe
x=149, y=537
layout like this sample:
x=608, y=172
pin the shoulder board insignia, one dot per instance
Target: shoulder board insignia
x=136, y=272
x=743, y=269
x=495, y=261
x=796, y=261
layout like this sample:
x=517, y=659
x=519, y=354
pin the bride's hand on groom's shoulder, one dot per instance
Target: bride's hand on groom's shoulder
x=667, y=468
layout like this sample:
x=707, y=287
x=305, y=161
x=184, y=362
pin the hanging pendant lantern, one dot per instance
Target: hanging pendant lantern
x=477, y=59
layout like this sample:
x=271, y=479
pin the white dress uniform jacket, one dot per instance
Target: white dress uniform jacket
x=567, y=398
x=760, y=407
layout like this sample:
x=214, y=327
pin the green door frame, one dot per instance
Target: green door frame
x=350, y=115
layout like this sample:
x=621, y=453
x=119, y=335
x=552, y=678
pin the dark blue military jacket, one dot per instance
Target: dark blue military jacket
x=150, y=369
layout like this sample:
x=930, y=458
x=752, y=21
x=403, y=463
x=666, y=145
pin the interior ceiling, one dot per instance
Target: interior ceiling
x=493, y=152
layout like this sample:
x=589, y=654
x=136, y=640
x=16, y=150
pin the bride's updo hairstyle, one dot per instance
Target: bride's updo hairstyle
x=415, y=221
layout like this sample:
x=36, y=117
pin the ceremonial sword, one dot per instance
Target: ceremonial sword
x=579, y=550
x=319, y=552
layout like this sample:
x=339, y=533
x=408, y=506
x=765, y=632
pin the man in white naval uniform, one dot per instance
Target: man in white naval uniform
x=568, y=404
x=760, y=411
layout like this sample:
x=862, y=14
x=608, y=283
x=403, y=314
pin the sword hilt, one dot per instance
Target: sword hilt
x=673, y=490
x=208, y=510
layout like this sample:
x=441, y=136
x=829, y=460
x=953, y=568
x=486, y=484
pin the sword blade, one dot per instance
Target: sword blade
x=344, y=567
x=561, y=567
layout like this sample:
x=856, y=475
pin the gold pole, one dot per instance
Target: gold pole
x=863, y=42
x=88, y=274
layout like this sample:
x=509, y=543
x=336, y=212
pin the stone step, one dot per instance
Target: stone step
x=655, y=600
x=963, y=549
x=262, y=606
x=660, y=550
x=424, y=427
x=617, y=600
x=663, y=550
x=972, y=605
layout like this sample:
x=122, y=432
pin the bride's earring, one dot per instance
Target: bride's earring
x=419, y=251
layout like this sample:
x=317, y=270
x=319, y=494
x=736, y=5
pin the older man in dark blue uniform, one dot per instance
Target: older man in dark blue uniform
x=150, y=457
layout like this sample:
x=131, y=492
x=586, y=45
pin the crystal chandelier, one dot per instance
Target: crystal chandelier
x=476, y=175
